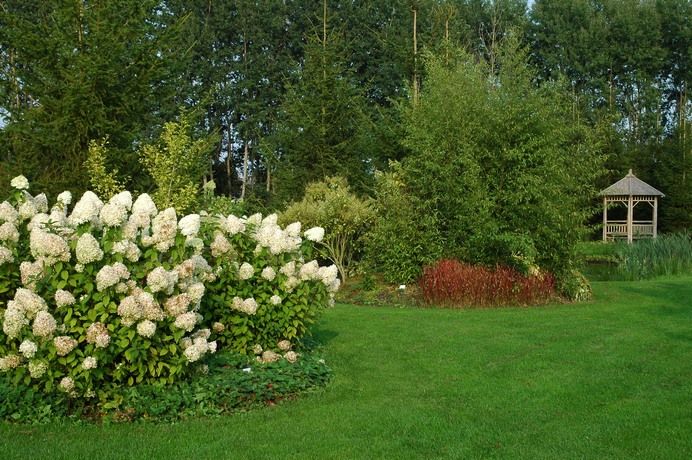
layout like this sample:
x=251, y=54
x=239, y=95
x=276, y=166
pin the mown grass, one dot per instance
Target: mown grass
x=610, y=378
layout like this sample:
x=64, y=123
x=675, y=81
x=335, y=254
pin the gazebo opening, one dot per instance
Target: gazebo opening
x=633, y=223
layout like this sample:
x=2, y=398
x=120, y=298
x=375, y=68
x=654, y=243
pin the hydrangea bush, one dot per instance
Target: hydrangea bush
x=267, y=291
x=119, y=293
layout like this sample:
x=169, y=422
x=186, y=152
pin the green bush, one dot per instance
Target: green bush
x=403, y=237
x=345, y=218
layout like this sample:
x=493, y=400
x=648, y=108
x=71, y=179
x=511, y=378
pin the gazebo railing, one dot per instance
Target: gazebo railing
x=618, y=229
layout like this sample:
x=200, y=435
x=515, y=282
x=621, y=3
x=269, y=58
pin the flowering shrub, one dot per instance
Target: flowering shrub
x=450, y=282
x=114, y=293
x=267, y=291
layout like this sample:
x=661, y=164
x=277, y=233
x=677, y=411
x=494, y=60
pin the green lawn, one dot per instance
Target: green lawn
x=610, y=378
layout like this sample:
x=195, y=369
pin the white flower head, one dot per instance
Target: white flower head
x=8, y=213
x=275, y=300
x=144, y=205
x=246, y=271
x=44, y=324
x=113, y=214
x=20, y=183
x=65, y=198
x=6, y=256
x=123, y=199
x=189, y=225
x=268, y=273
x=88, y=249
x=37, y=369
x=315, y=234
x=89, y=363
x=86, y=210
x=146, y=328
x=293, y=229
x=234, y=225
x=9, y=233
x=28, y=348
x=64, y=298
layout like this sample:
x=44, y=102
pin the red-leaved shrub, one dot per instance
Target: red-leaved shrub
x=453, y=283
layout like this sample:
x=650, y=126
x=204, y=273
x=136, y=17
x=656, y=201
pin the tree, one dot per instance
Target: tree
x=79, y=71
x=500, y=162
x=323, y=120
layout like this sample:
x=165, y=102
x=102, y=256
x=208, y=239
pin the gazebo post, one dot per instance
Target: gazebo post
x=630, y=219
x=655, y=215
x=605, y=219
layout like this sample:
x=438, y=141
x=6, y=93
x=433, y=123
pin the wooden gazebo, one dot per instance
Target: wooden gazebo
x=630, y=191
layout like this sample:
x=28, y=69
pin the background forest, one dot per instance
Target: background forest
x=487, y=126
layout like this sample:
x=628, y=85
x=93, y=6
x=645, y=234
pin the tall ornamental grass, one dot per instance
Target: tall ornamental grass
x=119, y=293
x=652, y=257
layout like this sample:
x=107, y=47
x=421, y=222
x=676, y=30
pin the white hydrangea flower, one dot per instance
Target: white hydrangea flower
x=234, y=225
x=64, y=298
x=195, y=291
x=44, y=324
x=328, y=274
x=189, y=225
x=86, y=210
x=107, y=277
x=178, y=304
x=20, y=183
x=246, y=271
x=6, y=256
x=164, y=228
x=41, y=203
x=293, y=230
x=268, y=273
x=65, y=198
x=284, y=345
x=88, y=249
x=36, y=370
x=146, y=328
x=97, y=333
x=218, y=327
x=38, y=221
x=220, y=245
x=28, y=348
x=29, y=303
x=64, y=345
x=89, y=363
x=309, y=270
x=27, y=209
x=10, y=361
x=130, y=310
x=186, y=321
x=255, y=220
x=9, y=233
x=49, y=246
x=289, y=269
x=113, y=214
x=160, y=280
x=67, y=384
x=291, y=356
x=144, y=205
x=123, y=199
x=8, y=213
x=315, y=234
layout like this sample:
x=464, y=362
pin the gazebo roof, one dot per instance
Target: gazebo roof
x=630, y=185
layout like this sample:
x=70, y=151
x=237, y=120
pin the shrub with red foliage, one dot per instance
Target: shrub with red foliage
x=453, y=283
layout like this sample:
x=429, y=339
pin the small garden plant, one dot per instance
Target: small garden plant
x=105, y=295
